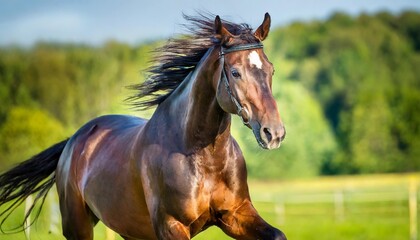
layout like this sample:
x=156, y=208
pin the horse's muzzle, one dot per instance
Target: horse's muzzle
x=272, y=136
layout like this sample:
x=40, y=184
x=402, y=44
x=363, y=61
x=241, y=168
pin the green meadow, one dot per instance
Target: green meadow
x=351, y=207
x=347, y=88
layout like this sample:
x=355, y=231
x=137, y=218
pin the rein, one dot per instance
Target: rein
x=240, y=110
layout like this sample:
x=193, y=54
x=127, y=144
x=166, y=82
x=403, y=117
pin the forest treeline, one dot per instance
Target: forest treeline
x=348, y=90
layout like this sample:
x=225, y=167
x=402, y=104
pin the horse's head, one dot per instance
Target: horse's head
x=245, y=84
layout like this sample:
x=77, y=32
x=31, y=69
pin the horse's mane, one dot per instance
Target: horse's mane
x=172, y=62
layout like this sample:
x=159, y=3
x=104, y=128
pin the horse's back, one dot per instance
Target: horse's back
x=90, y=138
x=97, y=169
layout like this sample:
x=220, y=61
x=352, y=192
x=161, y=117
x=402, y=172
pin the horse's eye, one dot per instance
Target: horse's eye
x=235, y=73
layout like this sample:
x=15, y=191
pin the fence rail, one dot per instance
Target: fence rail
x=339, y=198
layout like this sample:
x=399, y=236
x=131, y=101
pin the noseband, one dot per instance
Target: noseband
x=240, y=110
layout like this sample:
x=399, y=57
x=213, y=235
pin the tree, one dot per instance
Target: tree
x=26, y=132
x=308, y=144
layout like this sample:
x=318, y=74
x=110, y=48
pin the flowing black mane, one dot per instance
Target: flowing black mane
x=179, y=56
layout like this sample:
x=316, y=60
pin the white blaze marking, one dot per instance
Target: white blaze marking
x=254, y=59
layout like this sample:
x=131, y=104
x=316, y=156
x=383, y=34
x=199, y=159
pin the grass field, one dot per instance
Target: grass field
x=357, y=207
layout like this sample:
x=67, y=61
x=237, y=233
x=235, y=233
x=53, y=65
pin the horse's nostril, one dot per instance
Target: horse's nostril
x=284, y=134
x=268, y=134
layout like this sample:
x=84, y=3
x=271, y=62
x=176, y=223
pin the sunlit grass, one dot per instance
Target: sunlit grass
x=361, y=215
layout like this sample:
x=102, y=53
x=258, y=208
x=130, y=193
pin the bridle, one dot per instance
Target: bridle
x=240, y=110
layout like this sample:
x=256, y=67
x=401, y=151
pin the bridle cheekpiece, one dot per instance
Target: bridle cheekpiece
x=240, y=110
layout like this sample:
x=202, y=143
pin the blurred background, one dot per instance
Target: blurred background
x=347, y=84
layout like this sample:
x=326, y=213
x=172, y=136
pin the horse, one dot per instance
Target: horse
x=181, y=171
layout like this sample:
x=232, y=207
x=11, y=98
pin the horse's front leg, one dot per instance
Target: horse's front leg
x=243, y=222
x=167, y=227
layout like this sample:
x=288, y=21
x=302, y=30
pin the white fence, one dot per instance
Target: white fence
x=340, y=198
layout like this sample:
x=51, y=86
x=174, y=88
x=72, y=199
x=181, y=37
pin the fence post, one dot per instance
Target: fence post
x=54, y=214
x=279, y=209
x=412, y=203
x=339, y=205
x=28, y=203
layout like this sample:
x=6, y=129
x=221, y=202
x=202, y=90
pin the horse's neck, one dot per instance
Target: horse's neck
x=193, y=105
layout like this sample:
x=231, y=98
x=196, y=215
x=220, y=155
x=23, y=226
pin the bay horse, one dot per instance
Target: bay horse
x=180, y=172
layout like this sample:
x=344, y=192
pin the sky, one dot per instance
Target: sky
x=25, y=22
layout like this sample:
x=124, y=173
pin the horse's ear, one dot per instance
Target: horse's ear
x=262, y=32
x=221, y=33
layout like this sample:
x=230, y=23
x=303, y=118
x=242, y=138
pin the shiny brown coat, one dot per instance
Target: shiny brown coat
x=180, y=172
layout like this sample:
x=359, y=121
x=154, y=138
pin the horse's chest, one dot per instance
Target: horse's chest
x=203, y=208
x=195, y=190
x=213, y=196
